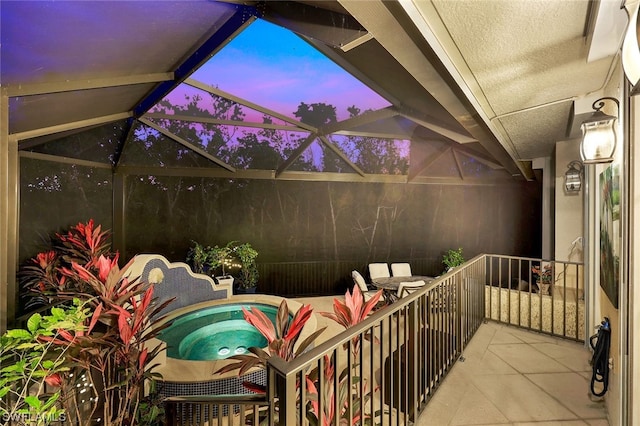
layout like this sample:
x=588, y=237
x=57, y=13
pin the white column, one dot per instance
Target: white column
x=548, y=188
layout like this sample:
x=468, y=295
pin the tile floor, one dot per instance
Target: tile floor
x=515, y=377
x=510, y=376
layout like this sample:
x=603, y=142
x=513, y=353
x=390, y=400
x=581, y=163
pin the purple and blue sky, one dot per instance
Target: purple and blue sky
x=274, y=68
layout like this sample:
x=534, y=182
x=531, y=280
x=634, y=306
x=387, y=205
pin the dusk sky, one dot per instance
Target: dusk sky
x=273, y=67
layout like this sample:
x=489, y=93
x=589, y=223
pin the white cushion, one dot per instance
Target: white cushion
x=401, y=269
x=378, y=270
x=359, y=280
x=407, y=287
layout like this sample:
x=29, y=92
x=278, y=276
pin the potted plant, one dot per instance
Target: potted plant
x=222, y=262
x=453, y=258
x=213, y=261
x=222, y=259
x=543, y=278
x=248, y=279
x=198, y=258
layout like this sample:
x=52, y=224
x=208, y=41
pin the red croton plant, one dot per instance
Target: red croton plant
x=282, y=339
x=113, y=354
x=47, y=278
x=347, y=313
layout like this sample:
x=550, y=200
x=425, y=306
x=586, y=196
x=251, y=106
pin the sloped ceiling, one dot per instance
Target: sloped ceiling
x=529, y=59
x=498, y=77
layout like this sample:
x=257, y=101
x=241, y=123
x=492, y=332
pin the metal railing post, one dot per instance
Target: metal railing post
x=459, y=289
x=555, y=313
x=271, y=393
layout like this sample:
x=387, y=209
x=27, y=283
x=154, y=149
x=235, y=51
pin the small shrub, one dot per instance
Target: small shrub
x=453, y=258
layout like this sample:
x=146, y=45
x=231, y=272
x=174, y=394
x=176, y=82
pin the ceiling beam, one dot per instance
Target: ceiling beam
x=332, y=27
x=338, y=56
x=357, y=42
x=98, y=83
x=289, y=128
x=404, y=32
x=374, y=135
x=207, y=172
x=207, y=120
x=30, y=143
x=70, y=126
x=188, y=144
x=296, y=153
x=64, y=160
x=242, y=18
x=433, y=125
x=215, y=91
x=341, y=154
x=357, y=121
x=488, y=161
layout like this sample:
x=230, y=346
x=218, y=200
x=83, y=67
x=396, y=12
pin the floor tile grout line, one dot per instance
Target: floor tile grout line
x=525, y=375
x=577, y=416
x=498, y=408
x=489, y=346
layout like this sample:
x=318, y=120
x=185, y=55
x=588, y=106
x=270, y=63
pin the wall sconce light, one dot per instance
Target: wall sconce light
x=573, y=177
x=599, y=135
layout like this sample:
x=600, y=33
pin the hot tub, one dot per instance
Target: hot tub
x=203, y=335
x=215, y=332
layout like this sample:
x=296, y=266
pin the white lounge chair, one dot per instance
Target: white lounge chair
x=378, y=270
x=407, y=287
x=401, y=269
x=358, y=279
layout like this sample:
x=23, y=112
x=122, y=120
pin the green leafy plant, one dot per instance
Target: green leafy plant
x=222, y=258
x=248, y=269
x=113, y=355
x=32, y=357
x=234, y=258
x=546, y=276
x=198, y=257
x=453, y=258
x=150, y=410
x=209, y=260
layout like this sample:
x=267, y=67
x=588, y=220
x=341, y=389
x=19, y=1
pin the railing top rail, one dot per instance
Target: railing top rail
x=220, y=399
x=306, y=359
x=533, y=259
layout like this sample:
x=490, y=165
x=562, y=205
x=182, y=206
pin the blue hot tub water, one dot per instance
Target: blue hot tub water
x=214, y=333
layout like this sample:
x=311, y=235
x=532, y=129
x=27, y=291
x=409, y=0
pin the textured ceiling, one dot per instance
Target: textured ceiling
x=528, y=59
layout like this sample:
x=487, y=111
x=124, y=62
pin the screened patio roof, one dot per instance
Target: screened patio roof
x=69, y=66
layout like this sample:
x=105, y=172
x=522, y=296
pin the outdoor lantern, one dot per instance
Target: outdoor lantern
x=573, y=177
x=599, y=135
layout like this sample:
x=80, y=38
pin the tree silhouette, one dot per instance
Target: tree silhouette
x=316, y=114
